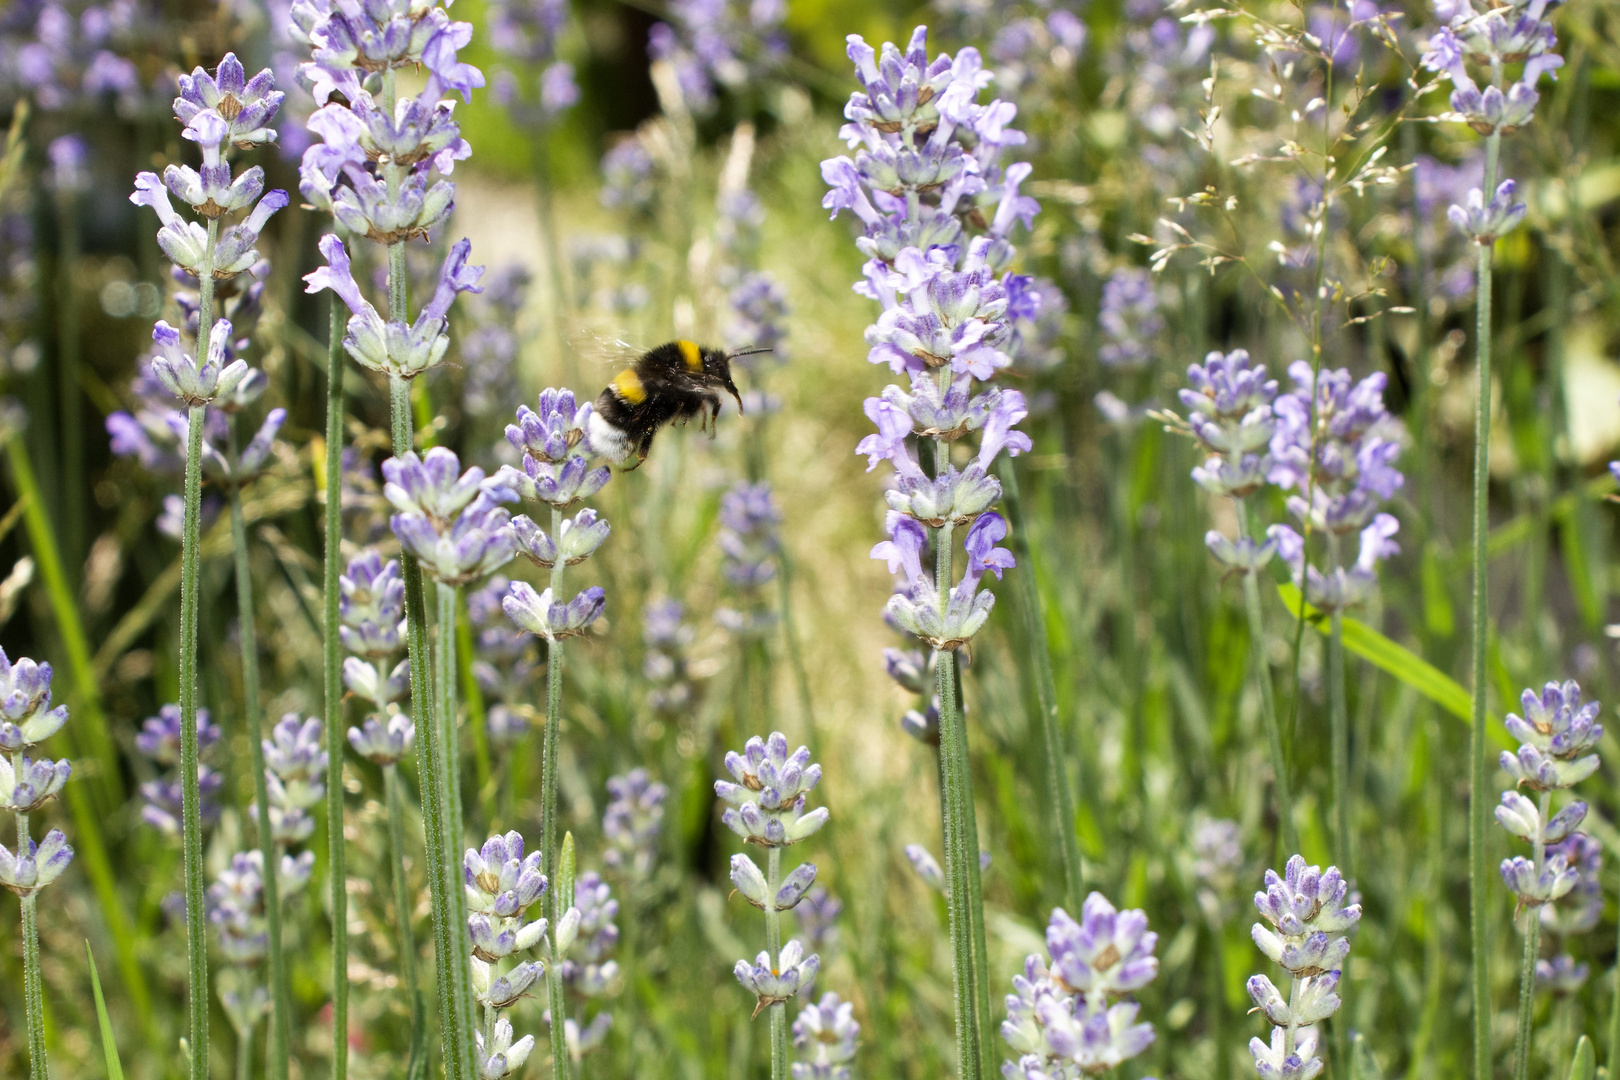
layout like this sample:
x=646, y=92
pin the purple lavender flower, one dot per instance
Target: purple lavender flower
x=627, y=177
x=395, y=348
x=1308, y=937
x=586, y=967
x=1483, y=222
x=451, y=521
x=371, y=606
x=295, y=761
x=159, y=737
x=384, y=743
x=26, y=716
x=545, y=617
x=1129, y=318
x=25, y=873
x=163, y=805
x=1061, y=1028
x=825, y=1035
x=766, y=805
x=490, y=351
x=1556, y=733
x=780, y=981
x=667, y=637
x=632, y=822
x=720, y=43
x=556, y=451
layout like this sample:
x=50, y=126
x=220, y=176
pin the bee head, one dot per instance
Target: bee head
x=717, y=365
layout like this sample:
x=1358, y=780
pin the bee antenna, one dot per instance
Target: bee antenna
x=752, y=351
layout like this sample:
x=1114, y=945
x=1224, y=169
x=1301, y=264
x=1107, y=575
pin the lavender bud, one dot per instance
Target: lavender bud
x=792, y=972
x=384, y=744
x=825, y=1034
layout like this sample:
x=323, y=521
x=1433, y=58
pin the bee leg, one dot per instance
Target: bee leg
x=711, y=412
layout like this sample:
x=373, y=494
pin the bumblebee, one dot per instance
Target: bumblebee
x=678, y=380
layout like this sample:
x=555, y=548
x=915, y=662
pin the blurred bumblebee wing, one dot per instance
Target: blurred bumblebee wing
x=604, y=351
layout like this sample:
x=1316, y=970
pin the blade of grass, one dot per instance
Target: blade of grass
x=109, y=1047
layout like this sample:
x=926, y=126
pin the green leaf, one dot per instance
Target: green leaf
x=1363, y=1066
x=1396, y=660
x=1584, y=1064
x=565, y=875
x=109, y=1047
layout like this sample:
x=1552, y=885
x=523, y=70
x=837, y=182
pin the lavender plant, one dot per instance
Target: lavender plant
x=219, y=113
x=1520, y=36
x=501, y=884
x=26, y=784
x=930, y=165
x=556, y=471
x=1066, y=1017
x=766, y=806
x=1309, y=939
x=1556, y=735
x=1233, y=420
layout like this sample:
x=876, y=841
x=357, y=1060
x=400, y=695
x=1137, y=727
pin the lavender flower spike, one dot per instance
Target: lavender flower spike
x=781, y=982
x=183, y=377
x=539, y=614
x=26, y=716
x=27, y=873
x=766, y=805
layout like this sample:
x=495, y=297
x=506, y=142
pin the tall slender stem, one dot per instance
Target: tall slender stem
x=402, y=917
x=429, y=765
x=1057, y=771
x=1287, y=838
x=548, y=818
x=247, y=633
x=33, y=985
x=956, y=781
x=450, y=818
x=773, y=943
x=190, y=797
x=1480, y=880
x=332, y=678
x=244, y=1055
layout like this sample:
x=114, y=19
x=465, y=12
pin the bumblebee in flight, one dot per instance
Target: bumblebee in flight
x=675, y=381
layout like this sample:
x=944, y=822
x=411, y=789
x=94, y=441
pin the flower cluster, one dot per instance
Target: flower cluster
x=1516, y=33
x=371, y=610
x=556, y=470
x=749, y=546
x=1557, y=736
x=667, y=638
x=502, y=883
x=929, y=169
x=526, y=32
x=236, y=909
x=26, y=720
x=159, y=742
x=587, y=970
x=766, y=806
x=504, y=663
x=825, y=1035
x=1308, y=938
x=218, y=112
x=1229, y=414
x=295, y=763
x=1128, y=316
x=1067, y=1016
x=451, y=521
x=632, y=822
x=1336, y=442
x=1578, y=912
x=719, y=43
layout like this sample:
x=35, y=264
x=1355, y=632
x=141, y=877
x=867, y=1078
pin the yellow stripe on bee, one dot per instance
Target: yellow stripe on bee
x=627, y=385
x=691, y=354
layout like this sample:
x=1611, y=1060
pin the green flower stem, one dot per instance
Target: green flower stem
x=1527, y=970
x=244, y=1053
x=191, y=815
x=1057, y=772
x=960, y=852
x=402, y=917
x=450, y=818
x=280, y=1000
x=1480, y=798
x=1287, y=838
x=33, y=986
x=332, y=678
x=548, y=820
x=773, y=943
x=429, y=765
x=89, y=846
